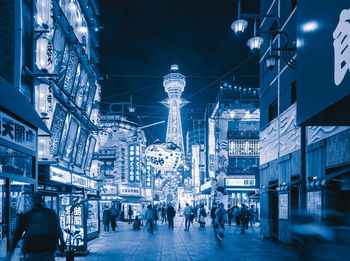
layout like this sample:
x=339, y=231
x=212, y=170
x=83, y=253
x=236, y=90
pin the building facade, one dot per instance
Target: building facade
x=233, y=146
x=127, y=177
x=304, y=170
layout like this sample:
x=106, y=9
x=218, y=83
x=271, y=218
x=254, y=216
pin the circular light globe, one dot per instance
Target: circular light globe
x=239, y=26
x=255, y=43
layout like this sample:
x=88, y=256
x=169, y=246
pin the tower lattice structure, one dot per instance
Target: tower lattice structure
x=174, y=84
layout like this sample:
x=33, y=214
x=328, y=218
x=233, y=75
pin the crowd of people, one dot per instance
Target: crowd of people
x=241, y=216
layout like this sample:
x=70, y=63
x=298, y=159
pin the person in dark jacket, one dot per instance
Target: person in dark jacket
x=130, y=213
x=170, y=211
x=106, y=218
x=41, y=231
x=137, y=224
x=114, y=214
x=212, y=213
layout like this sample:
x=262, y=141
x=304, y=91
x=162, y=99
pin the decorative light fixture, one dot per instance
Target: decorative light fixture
x=239, y=26
x=255, y=42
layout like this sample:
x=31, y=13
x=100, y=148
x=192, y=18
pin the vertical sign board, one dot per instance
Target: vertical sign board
x=137, y=164
x=57, y=125
x=323, y=33
x=90, y=153
x=70, y=140
x=211, y=152
x=148, y=175
x=283, y=206
x=131, y=160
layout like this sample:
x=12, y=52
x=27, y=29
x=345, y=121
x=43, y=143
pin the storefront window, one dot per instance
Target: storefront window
x=3, y=225
x=15, y=162
x=21, y=201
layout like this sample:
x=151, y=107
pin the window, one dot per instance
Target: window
x=273, y=110
x=244, y=147
x=293, y=92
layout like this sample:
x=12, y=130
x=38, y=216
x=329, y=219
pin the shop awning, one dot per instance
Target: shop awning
x=15, y=102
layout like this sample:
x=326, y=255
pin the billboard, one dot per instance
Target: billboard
x=323, y=42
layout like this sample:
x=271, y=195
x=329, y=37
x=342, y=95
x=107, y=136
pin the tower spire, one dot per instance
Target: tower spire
x=174, y=84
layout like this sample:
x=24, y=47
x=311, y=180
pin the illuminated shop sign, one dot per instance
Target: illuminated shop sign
x=129, y=191
x=137, y=164
x=70, y=140
x=109, y=189
x=16, y=132
x=132, y=166
x=206, y=186
x=195, y=165
x=80, y=181
x=211, y=152
x=90, y=153
x=164, y=156
x=60, y=175
x=57, y=125
x=148, y=175
x=93, y=184
x=242, y=181
x=323, y=69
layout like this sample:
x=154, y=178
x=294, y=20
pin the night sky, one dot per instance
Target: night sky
x=141, y=39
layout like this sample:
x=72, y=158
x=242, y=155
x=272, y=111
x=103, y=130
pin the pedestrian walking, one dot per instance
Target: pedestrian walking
x=149, y=216
x=114, y=214
x=41, y=233
x=130, y=213
x=187, y=215
x=106, y=218
x=163, y=214
x=170, y=214
x=220, y=220
x=237, y=214
x=212, y=213
x=202, y=214
x=230, y=215
x=245, y=214
x=253, y=215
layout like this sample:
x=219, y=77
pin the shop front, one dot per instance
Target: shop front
x=132, y=198
x=19, y=125
x=75, y=199
x=242, y=190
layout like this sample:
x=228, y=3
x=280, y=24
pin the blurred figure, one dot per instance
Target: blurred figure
x=253, y=215
x=149, y=216
x=42, y=232
x=163, y=214
x=137, y=224
x=202, y=214
x=230, y=215
x=106, y=218
x=114, y=214
x=171, y=214
x=237, y=214
x=220, y=219
x=245, y=214
x=130, y=213
x=212, y=213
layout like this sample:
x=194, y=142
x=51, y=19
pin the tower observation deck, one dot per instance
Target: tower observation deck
x=174, y=84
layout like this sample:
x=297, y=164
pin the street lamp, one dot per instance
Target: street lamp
x=255, y=42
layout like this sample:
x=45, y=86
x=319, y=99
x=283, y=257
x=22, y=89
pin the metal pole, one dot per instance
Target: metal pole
x=239, y=9
x=302, y=203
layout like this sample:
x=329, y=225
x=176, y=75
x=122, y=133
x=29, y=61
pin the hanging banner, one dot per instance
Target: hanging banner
x=90, y=153
x=57, y=125
x=70, y=141
x=81, y=146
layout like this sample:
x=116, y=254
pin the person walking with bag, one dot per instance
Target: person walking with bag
x=41, y=233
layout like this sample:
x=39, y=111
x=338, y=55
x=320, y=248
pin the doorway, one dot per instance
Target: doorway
x=273, y=211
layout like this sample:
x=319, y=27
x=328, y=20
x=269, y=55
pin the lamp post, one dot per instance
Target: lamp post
x=255, y=42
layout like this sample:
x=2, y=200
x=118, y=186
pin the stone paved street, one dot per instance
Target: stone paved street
x=197, y=244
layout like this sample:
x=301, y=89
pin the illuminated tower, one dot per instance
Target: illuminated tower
x=174, y=84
